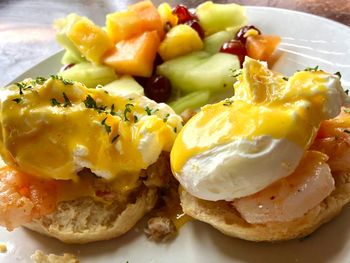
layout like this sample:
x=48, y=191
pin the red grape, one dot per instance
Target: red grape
x=240, y=34
x=67, y=66
x=158, y=88
x=183, y=14
x=235, y=47
x=196, y=26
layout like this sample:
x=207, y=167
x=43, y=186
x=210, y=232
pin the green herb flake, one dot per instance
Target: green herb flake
x=66, y=100
x=165, y=119
x=54, y=102
x=127, y=110
x=175, y=129
x=347, y=92
x=112, y=112
x=107, y=127
x=311, y=69
x=285, y=78
x=21, y=87
x=337, y=74
x=347, y=110
x=228, y=102
x=136, y=119
x=90, y=102
x=65, y=81
x=115, y=138
x=148, y=110
x=99, y=86
x=236, y=72
x=17, y=100
x=40, y=80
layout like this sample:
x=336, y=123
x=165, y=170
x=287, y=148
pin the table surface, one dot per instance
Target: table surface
x=27, y=37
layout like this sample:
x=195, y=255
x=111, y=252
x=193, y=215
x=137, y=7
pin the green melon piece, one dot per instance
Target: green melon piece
x=200, y=71
x=71, y=58
x=192, y=100
x=89, y=74
x=124, y=85
x=214, y=42
x=219, y=17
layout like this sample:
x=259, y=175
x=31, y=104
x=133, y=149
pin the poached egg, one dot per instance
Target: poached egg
x=55, y=128
x=241, y=145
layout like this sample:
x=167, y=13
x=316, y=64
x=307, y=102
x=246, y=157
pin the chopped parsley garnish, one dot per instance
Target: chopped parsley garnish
x=338, y=74
x=112, y=112
x=347, y=92
x=136, y=119
x=115, y=138
x=17, y=100
x=236, y=72
x=90, y=102
x=66, y=100
x=285, y=78
x=40, y=80
x=65, y=81
x=107, y=127
x=21, y=87
x=148, y=110
x=165, y=119
x=127, y=110
x=311, y=69
x=175, y=129
x=228, y=102
x=347, y=110
x=99, y=86
x=54, y=102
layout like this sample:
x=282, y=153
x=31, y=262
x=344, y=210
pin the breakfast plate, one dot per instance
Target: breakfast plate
x=307, y=41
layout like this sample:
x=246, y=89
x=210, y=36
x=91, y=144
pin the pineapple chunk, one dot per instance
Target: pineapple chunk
x=62, y=26
x=91, y=40
x=180, y=40
x=166, y=14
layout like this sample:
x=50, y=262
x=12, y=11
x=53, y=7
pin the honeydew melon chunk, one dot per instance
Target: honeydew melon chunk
x=218, y=17
x=214, y=42
x=192, y=100
x=71, y=58
x=200, y=71
x=124, y=85
x=89, y=74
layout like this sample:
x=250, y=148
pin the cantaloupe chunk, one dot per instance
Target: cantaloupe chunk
x=140, y=17
x=135, y=56
x=261, y=47
x=91, y=40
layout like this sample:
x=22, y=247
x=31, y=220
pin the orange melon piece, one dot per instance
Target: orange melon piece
x=140, y=17
x=261, y=47
x=135, y=56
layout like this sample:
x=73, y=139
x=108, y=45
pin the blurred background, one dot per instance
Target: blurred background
x=27, y=36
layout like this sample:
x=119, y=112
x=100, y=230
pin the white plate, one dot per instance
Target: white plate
x=307, y=40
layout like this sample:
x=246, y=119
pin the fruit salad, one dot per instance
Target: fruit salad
x=186, y=57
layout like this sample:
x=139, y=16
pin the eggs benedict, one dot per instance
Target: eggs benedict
x=258, y=166
x=81, y=164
